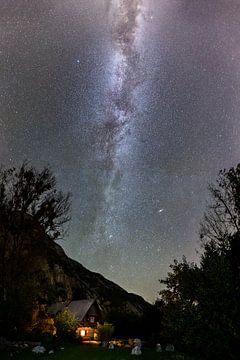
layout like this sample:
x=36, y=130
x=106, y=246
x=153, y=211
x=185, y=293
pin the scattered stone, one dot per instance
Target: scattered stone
x=136, y=351
x=137, y=344
x=51, y=352
x=158, y=348
x=111, y=345
x=170, y=347
x=39, y=349
x=61, y=348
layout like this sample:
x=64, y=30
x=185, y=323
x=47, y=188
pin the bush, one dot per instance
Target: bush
x=105, y=332
x=66, y=323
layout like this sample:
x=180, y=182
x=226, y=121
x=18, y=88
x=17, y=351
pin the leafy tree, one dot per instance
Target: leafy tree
x=30, y=209
x=181, y=299
x=41, y=323
x=222, y=218
x=202, y=307
x=66, y=323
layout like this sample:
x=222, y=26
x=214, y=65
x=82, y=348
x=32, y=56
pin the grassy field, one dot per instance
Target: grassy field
x=82, y=352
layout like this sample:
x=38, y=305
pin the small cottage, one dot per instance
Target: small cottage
x=87, y=313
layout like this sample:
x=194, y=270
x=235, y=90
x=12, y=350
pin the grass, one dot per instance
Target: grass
x=83, y=352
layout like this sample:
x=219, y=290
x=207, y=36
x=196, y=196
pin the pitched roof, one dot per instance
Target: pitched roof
x=80, y=307
x=57, y=307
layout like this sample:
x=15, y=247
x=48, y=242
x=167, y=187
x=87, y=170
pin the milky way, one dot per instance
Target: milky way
x=124, y=77
x=135, y=105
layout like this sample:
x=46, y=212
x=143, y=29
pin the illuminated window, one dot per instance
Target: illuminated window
x=92, y=318
x=82, y=332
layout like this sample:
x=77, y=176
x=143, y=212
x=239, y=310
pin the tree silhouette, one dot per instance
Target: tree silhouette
x=30, y=208
x=222, y=218
x=202, y=301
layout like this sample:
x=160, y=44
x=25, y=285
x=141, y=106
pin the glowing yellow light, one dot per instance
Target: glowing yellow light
x=83, y=332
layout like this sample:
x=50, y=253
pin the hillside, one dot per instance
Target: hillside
x=63, y=278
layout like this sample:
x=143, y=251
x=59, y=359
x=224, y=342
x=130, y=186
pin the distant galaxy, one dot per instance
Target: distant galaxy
x=135, y=106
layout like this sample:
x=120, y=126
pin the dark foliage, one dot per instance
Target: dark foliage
x=30, y=209
x=202, y=307
x=130, y=325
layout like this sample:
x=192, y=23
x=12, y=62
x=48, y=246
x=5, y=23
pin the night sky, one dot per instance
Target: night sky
x=135, y=106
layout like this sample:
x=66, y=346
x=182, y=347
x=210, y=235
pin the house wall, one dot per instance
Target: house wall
x=92, y=316
x=86, y=332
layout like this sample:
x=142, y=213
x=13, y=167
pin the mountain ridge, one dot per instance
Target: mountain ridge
x=63, y=278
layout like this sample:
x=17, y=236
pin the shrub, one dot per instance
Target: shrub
x=66, y=323
x=105, y=332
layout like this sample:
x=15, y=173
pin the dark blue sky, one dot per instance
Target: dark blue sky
x=135, y=105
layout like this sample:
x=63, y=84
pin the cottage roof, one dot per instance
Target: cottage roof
x=57, y=307
x=80, y=307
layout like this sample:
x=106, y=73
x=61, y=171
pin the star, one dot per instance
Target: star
x=134, y=109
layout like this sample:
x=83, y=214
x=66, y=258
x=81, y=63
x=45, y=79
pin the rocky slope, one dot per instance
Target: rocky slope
x=63, y=279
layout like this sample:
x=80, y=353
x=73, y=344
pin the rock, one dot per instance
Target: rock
x=170, y=347
x=51, y=352
x=158, y=348
x=137, y=344
x=66, y=279
x=111, y=345
x=136, y=351
x=39, y=349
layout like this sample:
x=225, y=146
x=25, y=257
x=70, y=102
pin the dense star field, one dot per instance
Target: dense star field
x=135, y=105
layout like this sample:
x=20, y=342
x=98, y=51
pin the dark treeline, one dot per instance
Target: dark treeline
x=201, y=311
x=30, y=208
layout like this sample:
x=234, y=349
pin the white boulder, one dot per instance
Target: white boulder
x=136, y=350
x=39, y=349
x=170, y=347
